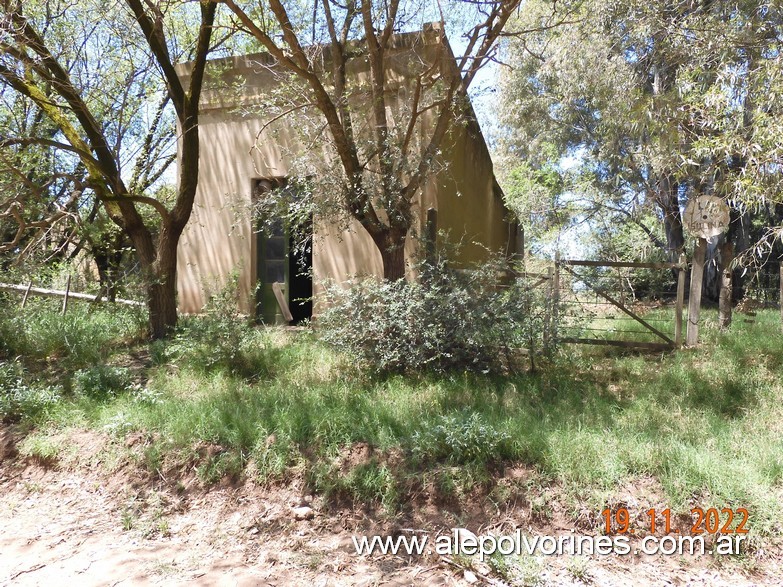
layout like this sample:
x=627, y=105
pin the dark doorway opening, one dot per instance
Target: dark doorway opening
x=279, y=260
x=300, y=278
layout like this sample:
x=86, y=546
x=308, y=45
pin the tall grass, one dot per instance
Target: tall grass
x=706, y=424
x=85, y=335
x=42, y=351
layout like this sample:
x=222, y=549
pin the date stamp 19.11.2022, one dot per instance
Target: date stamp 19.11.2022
x=703, y=521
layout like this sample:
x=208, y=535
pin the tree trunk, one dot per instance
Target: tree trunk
x=394, y=263
x=113, y=279
x=391, y=244
x=162, y=303
x=740, y=235
x=159, y=270
x=108, y=262
x=162, y=296
x=726, y=254
x=713, y=269
x=669, y=202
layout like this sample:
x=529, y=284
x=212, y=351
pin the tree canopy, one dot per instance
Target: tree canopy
x=89, y=70
x=383, y=165
x=652, y=103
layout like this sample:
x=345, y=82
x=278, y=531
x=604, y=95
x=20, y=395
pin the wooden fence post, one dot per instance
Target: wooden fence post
x=555, y=297
x=67, y=293
x=680, y=300
x=694, y=301
x=27, y=294
x=548, y=321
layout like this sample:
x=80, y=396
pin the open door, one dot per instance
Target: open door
x=278, y=260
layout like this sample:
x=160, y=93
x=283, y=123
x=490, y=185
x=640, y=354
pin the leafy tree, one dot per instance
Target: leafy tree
x=73, y=86
x=655, y=102
x=383, y=164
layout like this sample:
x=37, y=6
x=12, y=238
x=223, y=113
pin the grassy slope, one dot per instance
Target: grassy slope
x=707, y=424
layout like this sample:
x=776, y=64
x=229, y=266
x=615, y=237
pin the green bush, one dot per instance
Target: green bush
x=460, y=440
x=18, y=400
x=102, y=381
x=205, y=343
x=448, y=321
x=209, y=343
x=220, y=339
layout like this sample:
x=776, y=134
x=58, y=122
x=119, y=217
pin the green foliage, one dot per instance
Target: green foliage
x=374, y=483
x=220, y=466
x=460, y=440
x=293, y=204
x=532, y=318
x=447, y=321
x=83, y=336
x=660, y=103
x=369, y=483
x=534, y=195
x=18, y=400
x=220, y=339
x=703, y=427
x=121, y=90
x=524, y=570
x=211, y=343
x=207, y=343
x=626, y=238
x=43, y=448
x=11, y=374
x=274, y=457
x=102, y=381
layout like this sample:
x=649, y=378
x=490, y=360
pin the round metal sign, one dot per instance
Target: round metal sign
x=706, y=216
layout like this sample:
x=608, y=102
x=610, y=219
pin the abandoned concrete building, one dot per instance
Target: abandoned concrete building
x=243, y=155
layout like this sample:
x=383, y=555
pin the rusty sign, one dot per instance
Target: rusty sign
x=706, y=216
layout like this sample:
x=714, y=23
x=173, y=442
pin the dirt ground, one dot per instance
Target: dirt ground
x=83, y=526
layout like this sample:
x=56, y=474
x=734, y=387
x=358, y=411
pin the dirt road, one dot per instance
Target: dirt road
x=77, y=527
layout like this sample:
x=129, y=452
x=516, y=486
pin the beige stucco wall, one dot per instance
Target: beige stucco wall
x=470, y=210
x=219, y=239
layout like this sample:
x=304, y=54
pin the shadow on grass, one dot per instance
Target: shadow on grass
x=702, y=422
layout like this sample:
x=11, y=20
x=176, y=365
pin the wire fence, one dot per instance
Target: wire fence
x=634, y=304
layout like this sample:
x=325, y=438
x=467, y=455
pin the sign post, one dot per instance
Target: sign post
x=705, y=217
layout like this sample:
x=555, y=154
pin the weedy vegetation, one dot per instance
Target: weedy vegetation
x=232, y=399
x=449, y=320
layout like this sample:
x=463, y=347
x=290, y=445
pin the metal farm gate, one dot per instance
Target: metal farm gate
x=632, y=305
